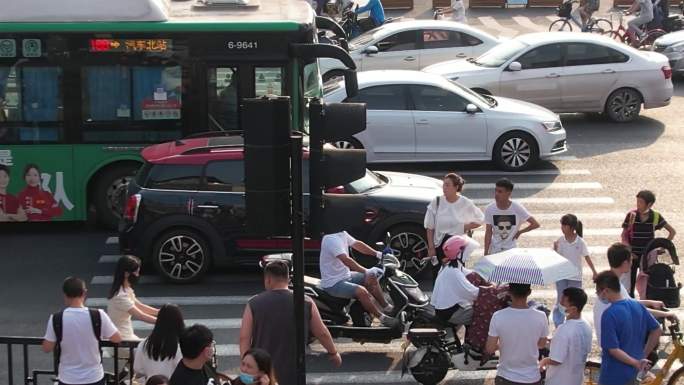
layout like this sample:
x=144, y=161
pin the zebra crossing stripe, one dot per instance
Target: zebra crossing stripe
x=539, y=186
x=109, y=258
x=491, y=23
x=543, y=233
x=529, y=24
x=556, y=200
x=112, y=240
x=513, y=173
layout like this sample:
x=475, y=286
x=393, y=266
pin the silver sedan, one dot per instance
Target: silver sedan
x=569, y=72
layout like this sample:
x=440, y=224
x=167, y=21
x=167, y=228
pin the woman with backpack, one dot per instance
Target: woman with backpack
x=447, y=215
x=160, y=353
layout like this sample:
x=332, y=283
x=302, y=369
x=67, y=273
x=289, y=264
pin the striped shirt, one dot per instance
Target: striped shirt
x=643, y=232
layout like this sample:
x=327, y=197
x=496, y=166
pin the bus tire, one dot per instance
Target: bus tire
x=109, y=194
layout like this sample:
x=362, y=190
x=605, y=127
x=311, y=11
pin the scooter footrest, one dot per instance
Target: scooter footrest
x=426, y=333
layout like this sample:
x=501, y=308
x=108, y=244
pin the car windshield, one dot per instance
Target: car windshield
x=361, y=40
x=500, y=54
x=490, y=101
x=369, y=182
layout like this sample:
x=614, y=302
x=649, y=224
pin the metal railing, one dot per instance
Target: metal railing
x=30, y=376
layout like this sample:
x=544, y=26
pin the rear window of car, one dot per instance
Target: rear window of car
x=173, y=177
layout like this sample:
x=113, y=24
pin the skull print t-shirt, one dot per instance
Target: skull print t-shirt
x=505, y=223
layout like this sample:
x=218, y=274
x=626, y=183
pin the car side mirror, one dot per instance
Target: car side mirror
x=371, y=50
x=515, y=66
x=471, y=108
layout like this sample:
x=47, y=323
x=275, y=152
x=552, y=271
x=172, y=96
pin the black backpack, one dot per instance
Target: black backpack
x=95, y=320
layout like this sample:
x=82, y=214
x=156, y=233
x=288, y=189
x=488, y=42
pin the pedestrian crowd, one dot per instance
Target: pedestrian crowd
x=174, y=353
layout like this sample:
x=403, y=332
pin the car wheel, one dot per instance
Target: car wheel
x=515, y=151
x=181, y=256
x=409, y=244
x=623, y=105
x=110, y=194
x=348, y=144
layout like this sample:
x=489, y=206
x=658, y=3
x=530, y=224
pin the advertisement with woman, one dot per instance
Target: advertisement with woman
x=29, y=194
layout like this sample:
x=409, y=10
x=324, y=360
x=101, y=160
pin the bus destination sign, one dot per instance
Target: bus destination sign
x=130, y=45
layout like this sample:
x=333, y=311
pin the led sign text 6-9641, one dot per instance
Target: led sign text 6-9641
x=130, y=45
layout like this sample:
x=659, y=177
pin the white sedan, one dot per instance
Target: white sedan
x=414, y=116
x=412, y=45
x=569, y=72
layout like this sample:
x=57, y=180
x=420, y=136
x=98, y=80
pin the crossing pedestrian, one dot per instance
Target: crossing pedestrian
x=76, y=332
x=160, y=352
x=447, y=215
x=504, y=219
x=625, y=325
x=639, y=229
x=255, y=368
x=157, y=380
x=572, y=246
x=571, y=343
x=197, y=347
x=123, y=304
x=268, y=323
x=518, y=332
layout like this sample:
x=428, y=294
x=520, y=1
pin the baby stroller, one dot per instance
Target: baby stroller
x=657, y=280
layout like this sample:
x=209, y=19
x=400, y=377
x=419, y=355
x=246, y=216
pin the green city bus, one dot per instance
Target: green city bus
x=86, y=84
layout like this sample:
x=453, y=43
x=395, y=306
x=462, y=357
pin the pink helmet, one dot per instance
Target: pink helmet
x=454, y=246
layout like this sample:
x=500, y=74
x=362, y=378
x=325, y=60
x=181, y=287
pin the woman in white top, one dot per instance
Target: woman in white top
x=573, y=248
x=160, y=353
x=447, y=215
x=123, y=304
x=453, y=295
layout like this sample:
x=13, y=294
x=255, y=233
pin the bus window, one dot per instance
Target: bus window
x=31, y=104
x=223, y=99
x=268, y=81
x=312, y=81
x=140, y=93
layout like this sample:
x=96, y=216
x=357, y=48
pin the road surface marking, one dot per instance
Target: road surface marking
x=539, y=186
x=491, y=23
x=556, y=200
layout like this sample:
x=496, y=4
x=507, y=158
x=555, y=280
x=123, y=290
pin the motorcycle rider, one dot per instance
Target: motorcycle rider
x=453, y=295
x=343, y=277
x=376, y=16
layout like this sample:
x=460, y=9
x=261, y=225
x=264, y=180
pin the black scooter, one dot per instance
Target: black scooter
x=410, y=304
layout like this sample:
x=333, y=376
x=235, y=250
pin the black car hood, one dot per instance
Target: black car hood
x=409, y=186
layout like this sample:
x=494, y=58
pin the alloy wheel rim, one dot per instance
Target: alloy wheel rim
x=516, y=152
x=344, y=145
x=624, y=106
x=181, y=257
x=410, y=249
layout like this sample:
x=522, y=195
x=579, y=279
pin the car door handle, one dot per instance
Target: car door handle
x=553, y=75
x=422, y=121
x=210, y=207
x=608, y=71
x=461, y=54
x=409, y=58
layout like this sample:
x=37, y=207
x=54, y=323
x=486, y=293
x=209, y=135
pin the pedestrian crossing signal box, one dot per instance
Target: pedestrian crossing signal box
x=330, y=167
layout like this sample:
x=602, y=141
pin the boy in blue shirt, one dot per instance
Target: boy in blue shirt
x=377, y=12
x=624, y=328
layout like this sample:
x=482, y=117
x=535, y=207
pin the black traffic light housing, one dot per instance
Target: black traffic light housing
x=266, y=123
x=331, y=167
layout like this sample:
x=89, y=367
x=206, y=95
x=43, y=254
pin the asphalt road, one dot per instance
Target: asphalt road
x=597, y=179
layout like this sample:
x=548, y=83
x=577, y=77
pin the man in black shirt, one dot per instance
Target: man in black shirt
x=196, y=343
x=639, y=229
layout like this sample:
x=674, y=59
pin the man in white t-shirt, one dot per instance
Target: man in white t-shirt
x=518, y=332
x=571, y=343
x=504, y=219
x=342, y=276
x=79, y=360
x=620, y=261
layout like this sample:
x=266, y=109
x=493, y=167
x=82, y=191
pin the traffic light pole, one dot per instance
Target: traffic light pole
x=298, y=254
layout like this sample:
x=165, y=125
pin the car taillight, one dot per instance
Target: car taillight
x=370, y=215
x=132, y=206
x=667, y=72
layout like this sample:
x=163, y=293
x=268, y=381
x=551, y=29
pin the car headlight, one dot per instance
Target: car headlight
x=552, y=126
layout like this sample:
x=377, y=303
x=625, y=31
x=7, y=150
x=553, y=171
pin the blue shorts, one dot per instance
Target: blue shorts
x=347, y=288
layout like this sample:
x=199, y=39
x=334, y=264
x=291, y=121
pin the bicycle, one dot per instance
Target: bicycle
x=621, y=34
x=677, y=378
x=563, y=23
